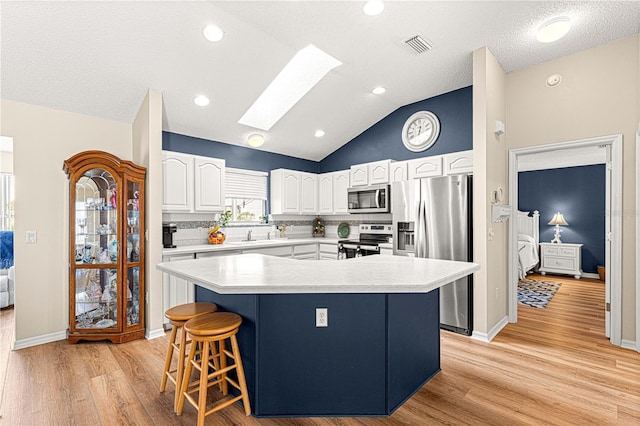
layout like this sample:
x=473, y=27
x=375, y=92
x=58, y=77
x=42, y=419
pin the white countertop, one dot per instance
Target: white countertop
x=261, y=274
x=245, y=245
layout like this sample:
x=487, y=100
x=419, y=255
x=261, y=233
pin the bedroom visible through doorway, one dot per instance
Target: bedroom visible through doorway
x=599, y=159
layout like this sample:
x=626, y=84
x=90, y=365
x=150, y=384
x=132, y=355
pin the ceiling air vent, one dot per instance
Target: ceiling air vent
x=418, y=44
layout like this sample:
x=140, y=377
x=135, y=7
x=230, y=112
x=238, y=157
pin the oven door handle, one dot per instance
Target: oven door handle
x=370, y=248
x=350, y=246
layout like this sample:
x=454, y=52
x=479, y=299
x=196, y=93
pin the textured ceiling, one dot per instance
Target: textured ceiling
x=99, y=58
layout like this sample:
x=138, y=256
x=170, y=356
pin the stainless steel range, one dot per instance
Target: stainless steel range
x=371, y=235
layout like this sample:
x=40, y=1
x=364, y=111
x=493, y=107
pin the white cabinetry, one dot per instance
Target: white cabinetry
x=562, y=258
x=306, y=251
x=285, y=191
x=209, y=184
x=327, y=251
x=374, y=173
x=458, y=162
x=192, y=183
x=425, y=167
x=325, y=193
x=332, y=192
x=177, y=182
x=398, y=171
x=176, y=291
x=340, y=187
x=308, y=193
x=271, y=251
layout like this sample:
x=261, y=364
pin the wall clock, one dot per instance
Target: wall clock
x=420, y=131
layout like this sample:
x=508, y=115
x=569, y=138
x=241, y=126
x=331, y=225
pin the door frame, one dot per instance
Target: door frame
x=638, y=238
x=614, y=199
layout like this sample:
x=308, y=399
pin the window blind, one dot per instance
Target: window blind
x=245, y=184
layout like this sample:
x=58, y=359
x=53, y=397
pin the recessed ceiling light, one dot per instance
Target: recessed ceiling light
x=319, y=133
x=256, y=140
x=307, y=67
x=554, y=29
x=373, y=7
x=212, y=33
x=378, y=90
x=201, y=100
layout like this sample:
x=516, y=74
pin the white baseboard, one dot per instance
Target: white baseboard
x=629, y=344
x=39, y=340
x=154, y=334
x=487, y=337
x=590, y=275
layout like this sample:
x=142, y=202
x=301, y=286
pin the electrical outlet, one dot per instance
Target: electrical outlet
x=322, y=317
x=31, y=237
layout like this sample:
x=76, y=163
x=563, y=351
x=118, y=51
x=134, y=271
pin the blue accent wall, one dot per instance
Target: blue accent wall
x=579, y=194
x=384, y=140
x=236, y=156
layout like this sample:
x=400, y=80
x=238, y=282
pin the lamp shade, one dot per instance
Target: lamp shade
x=557, y=219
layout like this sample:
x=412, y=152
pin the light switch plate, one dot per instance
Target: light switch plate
x=31, y=237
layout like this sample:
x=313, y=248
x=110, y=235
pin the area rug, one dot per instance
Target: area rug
x=535, y=293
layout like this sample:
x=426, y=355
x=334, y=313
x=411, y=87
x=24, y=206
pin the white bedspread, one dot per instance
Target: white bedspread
x=527, y=254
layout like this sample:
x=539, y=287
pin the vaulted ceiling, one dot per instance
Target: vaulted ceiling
x=99, y=58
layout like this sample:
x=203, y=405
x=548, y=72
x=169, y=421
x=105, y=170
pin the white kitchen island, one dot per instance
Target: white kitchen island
x=381, y=344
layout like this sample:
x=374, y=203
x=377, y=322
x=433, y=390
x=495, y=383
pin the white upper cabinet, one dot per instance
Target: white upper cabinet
x=177, y=182
x=340, y=187
x=458, y=162
x=308, y=193
x=285, y=191
x=359, y=175
x=325, y=193
x=209, y=184
x=374, y=173
x=398, y=171
x=425, y=167
x=192, y=183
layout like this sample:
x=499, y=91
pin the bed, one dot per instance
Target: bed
x=528, y=240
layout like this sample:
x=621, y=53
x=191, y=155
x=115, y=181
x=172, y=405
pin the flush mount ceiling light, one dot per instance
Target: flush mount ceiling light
x=373, y=7
x=201, y=100
x=256, y=140
x=378, y=90
x=307, y=67
x=554, y=29
x=319, y=133
x=212, y=33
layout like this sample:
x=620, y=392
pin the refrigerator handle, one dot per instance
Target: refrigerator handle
x=421, y=228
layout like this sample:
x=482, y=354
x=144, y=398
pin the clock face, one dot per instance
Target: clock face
x=420, y=131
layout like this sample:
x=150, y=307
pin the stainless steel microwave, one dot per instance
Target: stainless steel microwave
x=369, y=199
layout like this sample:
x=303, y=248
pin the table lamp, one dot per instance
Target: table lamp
x=557, y=220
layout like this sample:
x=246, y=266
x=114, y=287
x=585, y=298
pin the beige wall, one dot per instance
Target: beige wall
x=147, y=151
x=599, y=95
x=490, y=173
x=42, y=139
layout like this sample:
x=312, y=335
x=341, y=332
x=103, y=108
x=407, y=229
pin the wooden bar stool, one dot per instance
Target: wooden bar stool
x=178, y=316
x=209, y=330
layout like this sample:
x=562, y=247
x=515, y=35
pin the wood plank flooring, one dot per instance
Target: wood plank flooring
x=554, y=367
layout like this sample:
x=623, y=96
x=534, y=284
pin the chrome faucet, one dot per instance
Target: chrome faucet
x=249, y=235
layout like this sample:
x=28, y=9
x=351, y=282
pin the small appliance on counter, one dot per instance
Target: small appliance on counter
x=168, y=229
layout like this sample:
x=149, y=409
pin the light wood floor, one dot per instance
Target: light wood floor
x=553, y=367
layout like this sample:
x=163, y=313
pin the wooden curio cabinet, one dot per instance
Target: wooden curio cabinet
x=106, y=248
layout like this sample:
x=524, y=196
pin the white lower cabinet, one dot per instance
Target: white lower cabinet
x=176, y=291
x=271, y=251
x=306, y=251
x=328, y=251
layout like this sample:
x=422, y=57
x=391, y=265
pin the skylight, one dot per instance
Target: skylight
x=307, y=67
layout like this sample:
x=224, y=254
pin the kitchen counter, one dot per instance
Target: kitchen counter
x=244, y=245
x=261, y=274
x=380, y=343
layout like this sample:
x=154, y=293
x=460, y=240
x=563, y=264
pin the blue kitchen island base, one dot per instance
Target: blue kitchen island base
x=375, y=353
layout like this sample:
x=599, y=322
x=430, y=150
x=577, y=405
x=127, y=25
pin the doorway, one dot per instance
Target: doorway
x=613, y=222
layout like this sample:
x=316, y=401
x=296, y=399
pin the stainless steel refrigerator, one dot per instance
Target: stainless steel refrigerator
x=432, y=218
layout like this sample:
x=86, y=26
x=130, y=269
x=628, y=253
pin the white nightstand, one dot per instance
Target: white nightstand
x=562, y=258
